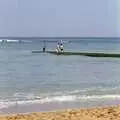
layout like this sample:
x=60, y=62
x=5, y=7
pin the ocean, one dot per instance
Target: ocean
x=40, y=82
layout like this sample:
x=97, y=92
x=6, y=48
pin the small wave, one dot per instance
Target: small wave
x=92, y=89
x=63, y=98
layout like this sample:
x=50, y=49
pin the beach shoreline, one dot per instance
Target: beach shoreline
x=93, y=113
x=51, y=106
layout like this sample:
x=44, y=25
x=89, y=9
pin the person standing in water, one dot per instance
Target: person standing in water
x=59, y=48
x=44, y=46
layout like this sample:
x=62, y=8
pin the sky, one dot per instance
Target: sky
x=59, y=18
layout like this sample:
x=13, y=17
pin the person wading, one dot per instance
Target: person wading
x=60, y=48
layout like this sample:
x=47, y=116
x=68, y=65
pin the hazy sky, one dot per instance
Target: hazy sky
x=56, y=18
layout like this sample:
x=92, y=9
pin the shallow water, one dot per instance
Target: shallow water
x=27, y=78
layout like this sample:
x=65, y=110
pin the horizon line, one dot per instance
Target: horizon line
x=54, y=37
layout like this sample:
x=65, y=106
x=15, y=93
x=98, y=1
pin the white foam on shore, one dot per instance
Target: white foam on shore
x=64, y=98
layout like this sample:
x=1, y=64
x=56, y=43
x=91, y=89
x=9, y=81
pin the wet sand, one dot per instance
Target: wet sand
x=98, y=113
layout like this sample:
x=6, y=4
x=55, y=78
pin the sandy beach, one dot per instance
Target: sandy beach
x=98, y=113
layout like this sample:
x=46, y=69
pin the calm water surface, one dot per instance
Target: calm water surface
x=27, y=78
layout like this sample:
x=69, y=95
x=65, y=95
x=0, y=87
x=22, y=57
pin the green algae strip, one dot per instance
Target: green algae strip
x=87, y=54
x=82, y=53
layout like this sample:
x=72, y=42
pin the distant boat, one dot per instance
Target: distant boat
x=8, y=40
x=12, y=40
x=4, y=40
x=64, y=41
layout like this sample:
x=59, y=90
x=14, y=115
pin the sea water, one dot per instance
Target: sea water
x=29, y=80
